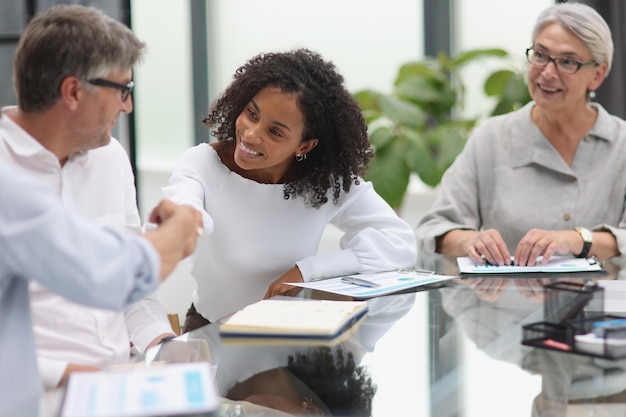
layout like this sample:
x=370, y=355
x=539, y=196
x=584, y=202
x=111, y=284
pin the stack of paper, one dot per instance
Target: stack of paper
x=175, y=389
x=556, y=263
x=294, y=319
x=365, y=286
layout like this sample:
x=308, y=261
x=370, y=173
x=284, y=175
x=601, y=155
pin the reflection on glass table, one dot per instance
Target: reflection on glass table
x=451, y=350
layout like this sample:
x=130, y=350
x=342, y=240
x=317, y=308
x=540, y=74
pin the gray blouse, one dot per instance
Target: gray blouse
x=509, y=177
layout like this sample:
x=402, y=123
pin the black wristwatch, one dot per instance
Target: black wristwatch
x=587, y=241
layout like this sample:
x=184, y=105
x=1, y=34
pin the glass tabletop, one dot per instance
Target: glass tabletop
x=454, y=349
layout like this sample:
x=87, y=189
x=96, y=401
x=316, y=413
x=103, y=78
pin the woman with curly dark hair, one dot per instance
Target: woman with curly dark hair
x=291, y=148
x=320, y=381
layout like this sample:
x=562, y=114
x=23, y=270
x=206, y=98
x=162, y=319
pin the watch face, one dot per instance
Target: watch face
x=586, y=234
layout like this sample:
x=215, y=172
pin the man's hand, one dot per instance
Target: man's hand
x=73, y=367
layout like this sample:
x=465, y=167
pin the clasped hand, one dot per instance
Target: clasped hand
x=488, y=245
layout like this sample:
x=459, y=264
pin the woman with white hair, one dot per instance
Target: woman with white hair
x=549, y=178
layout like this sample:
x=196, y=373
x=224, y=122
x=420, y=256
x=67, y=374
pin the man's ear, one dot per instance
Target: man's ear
x=71, y=92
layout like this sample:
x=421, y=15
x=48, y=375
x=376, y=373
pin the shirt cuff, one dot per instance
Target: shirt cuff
x=51, y=371
x=618, y=234
x=147, y=334
x=330, y=264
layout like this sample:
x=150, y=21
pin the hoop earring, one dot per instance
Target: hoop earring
x=300, y=157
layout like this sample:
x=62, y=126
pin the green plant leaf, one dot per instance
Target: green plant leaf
x=367, y=99
x=401, y=112
x=450, y=140
x=495, y=83
x=474, y=54
x=428, y=68
x=419, y=89
x=381, y=137
x=420, y=158
x=512, y=97
x=389, y=172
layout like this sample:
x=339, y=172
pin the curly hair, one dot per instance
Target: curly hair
x=330, y=115
x=340, y=384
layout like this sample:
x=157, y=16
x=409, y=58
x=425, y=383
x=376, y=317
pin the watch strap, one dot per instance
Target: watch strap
x=586, y=243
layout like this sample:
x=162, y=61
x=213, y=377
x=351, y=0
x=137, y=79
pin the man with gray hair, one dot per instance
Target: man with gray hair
x=72, y=74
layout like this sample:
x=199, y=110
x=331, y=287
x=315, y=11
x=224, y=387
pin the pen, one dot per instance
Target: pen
x=490, y=264
x=360, y=282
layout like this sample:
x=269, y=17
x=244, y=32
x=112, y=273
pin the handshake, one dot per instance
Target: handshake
x=174, y=237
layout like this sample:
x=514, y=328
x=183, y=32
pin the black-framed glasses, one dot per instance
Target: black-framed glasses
x=562, y=64
x=126, y=89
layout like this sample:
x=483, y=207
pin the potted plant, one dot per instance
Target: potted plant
x=415, y=128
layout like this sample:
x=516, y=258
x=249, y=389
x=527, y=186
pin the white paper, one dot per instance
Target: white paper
x=141, y=392
x=389, y=282
x=614, y=296
x=555, y=264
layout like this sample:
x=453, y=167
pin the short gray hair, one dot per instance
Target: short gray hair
x=69, y=40
x=586, y=23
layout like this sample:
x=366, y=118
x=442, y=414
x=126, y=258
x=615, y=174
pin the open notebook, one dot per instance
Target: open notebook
x=294, y=319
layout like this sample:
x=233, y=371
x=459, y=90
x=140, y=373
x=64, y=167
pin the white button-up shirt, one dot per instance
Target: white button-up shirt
x=99, y=185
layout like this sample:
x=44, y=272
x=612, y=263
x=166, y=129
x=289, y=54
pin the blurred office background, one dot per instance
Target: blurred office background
x=194, y=46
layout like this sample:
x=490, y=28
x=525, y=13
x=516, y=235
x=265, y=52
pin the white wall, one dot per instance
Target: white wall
x=366, y=39
x=491, y=24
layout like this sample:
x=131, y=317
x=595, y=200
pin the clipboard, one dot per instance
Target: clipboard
x=389, y=282
x=556, y=264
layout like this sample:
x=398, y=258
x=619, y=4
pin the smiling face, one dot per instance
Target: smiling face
x=553, y=90
x=269, y=136
x=101, y=110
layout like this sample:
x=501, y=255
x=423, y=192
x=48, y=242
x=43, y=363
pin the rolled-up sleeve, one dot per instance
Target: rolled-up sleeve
x=41, y=240
x=375, y=238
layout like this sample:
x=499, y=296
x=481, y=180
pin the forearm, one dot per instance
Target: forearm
x=74, y=367
x=454, y=242
x=159, y=338
x=147, y=322
x=604, y=245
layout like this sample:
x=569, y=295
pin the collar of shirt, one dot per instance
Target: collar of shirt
x=529, y=146
x=24, y=146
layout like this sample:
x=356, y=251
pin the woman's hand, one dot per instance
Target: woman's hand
x=489, y=289
x=488, y=245
x=538, y=242
x=278, y=286
x=532, y=289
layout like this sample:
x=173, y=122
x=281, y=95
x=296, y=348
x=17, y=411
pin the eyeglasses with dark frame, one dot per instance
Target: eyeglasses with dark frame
x=562, y=64
x=125, y=89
